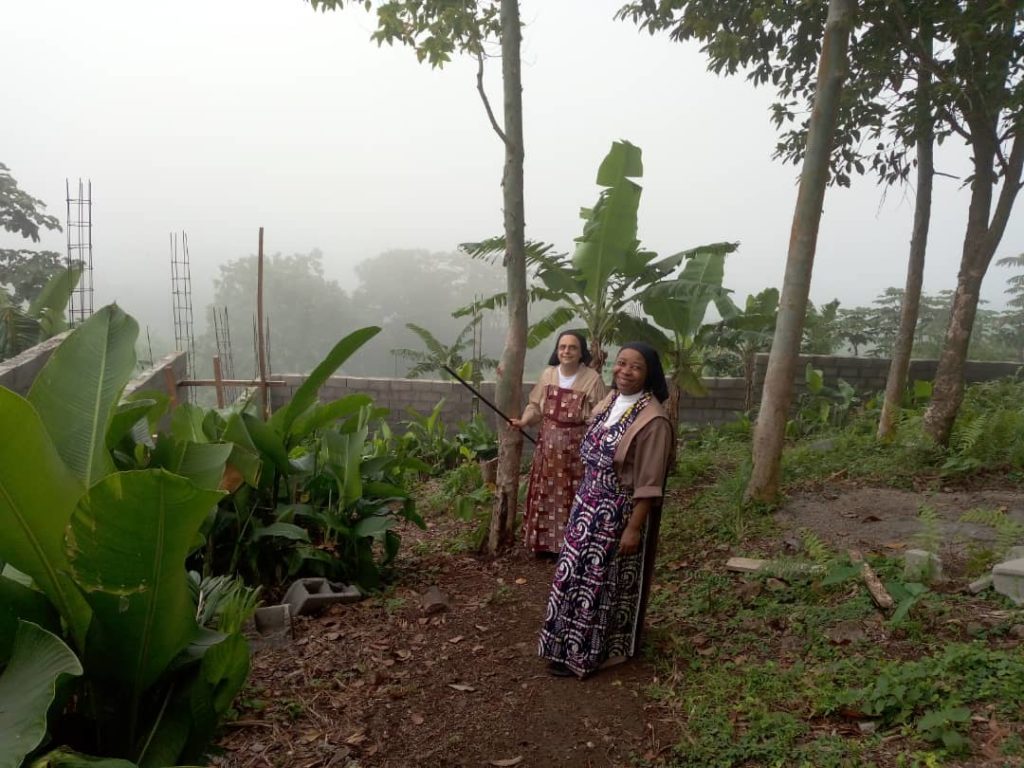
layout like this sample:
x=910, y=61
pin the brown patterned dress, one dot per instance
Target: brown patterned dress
x=557, y=466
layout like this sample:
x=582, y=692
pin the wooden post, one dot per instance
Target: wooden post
x=172, y=387
x=260, y=341
x=219, y=381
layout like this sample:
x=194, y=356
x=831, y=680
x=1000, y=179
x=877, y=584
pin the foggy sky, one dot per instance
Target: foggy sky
x=217, y=118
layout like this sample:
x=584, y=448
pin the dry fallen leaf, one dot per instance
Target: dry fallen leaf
x=356, y=738
x=456, y=639
x=506, y=763
x=461, y=687
x=417, y=719
x=520, y=580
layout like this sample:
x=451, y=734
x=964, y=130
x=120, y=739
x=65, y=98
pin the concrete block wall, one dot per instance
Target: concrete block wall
x=867, y=375
x=723, y=402
x=157, y=378
x=18, y=373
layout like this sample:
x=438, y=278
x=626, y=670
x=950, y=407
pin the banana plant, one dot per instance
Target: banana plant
x=744, y=333
x=607, y=276
x=105, y=550
x=23, y=327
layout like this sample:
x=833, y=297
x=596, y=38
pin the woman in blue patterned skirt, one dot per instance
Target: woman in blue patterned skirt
x=594, y=611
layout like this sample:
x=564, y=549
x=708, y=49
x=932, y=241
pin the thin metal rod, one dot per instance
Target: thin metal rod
x=218, y=381
x=264, y=400
x=485, y=401
x=230, y=383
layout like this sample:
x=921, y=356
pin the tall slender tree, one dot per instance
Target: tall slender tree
x=436, y=29
x=782, y=360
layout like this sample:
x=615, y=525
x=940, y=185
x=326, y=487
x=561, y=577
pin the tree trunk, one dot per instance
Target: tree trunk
x=778, y=384
x=980, y=243
x=899, y=366
x=509, y=388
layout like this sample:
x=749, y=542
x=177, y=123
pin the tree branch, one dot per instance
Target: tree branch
x=1011, y=186
x=486, y=101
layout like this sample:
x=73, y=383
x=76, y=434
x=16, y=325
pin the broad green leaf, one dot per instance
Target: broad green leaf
x=624, y=160
x=187, y=423
x=374, y=526
x=78, y=388
x=328, y=413
x=20, y=602
x=343, y=456
x=246, y=456
x=127, y=543
x=37, y=496
x=268, y=441
x=125, y=417
x=192, y=716
x=55, y=294
x=66, y=758
x=280, y=530
x=27, y=688
x=203, y=463
x=306, y=394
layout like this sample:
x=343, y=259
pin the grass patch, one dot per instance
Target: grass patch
x=798, y=669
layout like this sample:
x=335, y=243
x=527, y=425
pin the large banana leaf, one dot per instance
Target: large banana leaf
x=609, y=234
x=328, y=413
x=66, y=758
x=28, y=687
x=37, y=496
x=18, y=331
x=127, y=543
x=306, y=394
x=79, y=386
x=202, y=463
x=343, y=458
x=18, y=602
x=197, y=707
x=55, y=294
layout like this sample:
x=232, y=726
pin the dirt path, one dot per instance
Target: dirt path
x=381, y=683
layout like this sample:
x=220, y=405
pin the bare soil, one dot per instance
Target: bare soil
x=382, y=683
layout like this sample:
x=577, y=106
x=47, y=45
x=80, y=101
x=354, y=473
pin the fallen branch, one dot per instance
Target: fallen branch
x=876, y=589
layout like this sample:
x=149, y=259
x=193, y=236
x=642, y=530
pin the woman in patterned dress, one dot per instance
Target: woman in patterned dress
x=595, y=609
x=562, y=401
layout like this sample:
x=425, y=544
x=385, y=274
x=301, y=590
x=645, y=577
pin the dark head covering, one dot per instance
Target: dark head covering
x=655, y=380
x=585, y=356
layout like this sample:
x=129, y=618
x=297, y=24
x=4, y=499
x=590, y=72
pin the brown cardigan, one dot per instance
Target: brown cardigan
x=641, y=457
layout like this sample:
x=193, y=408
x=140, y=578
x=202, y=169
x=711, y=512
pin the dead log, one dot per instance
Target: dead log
x=876, y=589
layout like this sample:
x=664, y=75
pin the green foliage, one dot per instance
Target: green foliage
x=933, y=693
x=476, y=439
x=106, y=548
x=930, y=536
x=426, y=438
x=26, y=272
x=821, y=407
x=989, y=429
x=1009, y=532
x=28, y=687
x=609, y=275
x=24, y=327
x=438, y=356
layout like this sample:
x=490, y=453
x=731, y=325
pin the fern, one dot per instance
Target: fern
x=930, y=535
x=1008, y=531
x=815, y=547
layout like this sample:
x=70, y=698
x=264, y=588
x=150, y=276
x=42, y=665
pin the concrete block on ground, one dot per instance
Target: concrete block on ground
x=273, y=622
x=311, y=595
x=1008, y=579
x=980, y=585
x=1014, y=553
x=921, y=566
